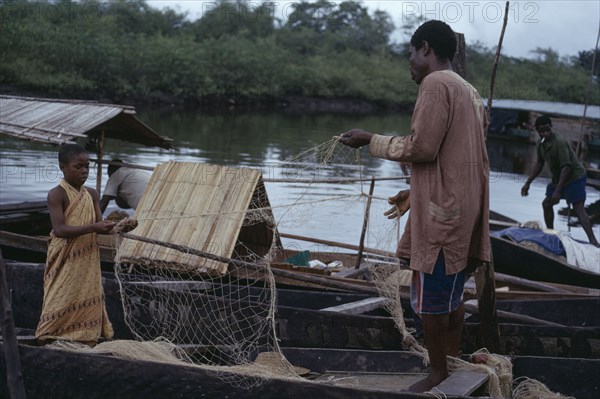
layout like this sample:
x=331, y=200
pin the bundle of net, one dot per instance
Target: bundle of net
x=393, y=282
x=220, y=311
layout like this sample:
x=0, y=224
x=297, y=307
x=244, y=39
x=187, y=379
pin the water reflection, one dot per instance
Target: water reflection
x=266, y=141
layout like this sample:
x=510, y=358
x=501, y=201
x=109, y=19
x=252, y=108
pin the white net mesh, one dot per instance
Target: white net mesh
x=199, y=272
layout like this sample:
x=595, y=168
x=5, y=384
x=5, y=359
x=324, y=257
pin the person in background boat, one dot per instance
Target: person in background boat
x=447, y=231
x=73, y=307
x=125, y=186
x=568, y=176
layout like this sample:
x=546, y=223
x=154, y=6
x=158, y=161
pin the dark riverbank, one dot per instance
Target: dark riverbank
x=216, y=103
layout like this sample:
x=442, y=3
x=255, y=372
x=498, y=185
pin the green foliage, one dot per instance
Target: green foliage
x=238, y=49
x=545, y=78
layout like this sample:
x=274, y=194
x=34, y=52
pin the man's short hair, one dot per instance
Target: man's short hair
x=440, y=37
x=113, y=168
x=543, y=120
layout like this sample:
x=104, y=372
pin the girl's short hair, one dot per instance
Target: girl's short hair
x=68, y=150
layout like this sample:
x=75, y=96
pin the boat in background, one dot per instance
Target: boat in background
x=515, y=259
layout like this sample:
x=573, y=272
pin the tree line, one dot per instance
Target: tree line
x=125, y=50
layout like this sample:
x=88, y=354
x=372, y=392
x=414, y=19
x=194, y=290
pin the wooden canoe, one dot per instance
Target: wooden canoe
x=51, y=373
x=517, y=260
x=514, y=259
x=304, y=321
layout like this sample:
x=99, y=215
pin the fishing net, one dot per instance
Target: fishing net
x=527, y=388
x=199, y=270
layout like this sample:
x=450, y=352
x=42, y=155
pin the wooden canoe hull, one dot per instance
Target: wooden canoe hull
x=59, y=374
x=301, y=323
x=516, y=260
x=51, y=373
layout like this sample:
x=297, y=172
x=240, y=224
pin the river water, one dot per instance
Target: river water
x=263, y=140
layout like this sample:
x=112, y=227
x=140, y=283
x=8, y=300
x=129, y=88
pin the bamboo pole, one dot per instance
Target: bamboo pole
x=527, y=295
x=328, y=282
x=486, y=303
x=348, y=180
x=126, y=164
x=521, y=319
x=100, y=154
x=338, y=244
x=502, y=223
x=505, y=278
x=274, y=180
x=587, y=98
x=495, y=66
x=363, y=233
x=484, y=276
x=14, y=375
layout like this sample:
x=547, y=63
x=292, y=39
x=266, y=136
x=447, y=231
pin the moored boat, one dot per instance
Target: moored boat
x=52, y=373
x=309, y=318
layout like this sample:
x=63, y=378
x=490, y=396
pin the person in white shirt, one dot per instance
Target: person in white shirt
x=125, y=186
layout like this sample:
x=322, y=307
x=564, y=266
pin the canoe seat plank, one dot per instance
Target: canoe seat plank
x=358, y=307
x=15, y=218
x=182, y=286
x=462, y=383
x=389, y=382
x=350, y=273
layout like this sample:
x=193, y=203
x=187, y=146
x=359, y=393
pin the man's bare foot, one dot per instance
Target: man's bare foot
x=426, y=384
x=480, y=358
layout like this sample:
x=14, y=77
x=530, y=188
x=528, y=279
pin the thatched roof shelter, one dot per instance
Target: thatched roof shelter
x=60, y=121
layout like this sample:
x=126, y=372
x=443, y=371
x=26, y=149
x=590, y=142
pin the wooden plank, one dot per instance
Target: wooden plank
x=361, y=245
x=358, y=307
x=29, y=206
x=351, y=273
x=379, y=381
x=525, y=295
x=184, y=286
x=40, y=244
x=519, y=281
x=462, y=383
x=486, y=301
x=337, y=244
x=14, y=375
x=15, y=218
x=593, y=183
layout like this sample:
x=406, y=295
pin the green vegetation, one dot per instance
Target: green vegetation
x=127, y=51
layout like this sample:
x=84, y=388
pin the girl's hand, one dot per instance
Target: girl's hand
x=104, y=226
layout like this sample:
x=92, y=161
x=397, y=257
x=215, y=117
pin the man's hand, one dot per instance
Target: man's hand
x=525, y=190
x=401, y=202
x=356, y=138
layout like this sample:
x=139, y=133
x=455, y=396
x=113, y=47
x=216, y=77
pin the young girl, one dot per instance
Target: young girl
x=73, y=306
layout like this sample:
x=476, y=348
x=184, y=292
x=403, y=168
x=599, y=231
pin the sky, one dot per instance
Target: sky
x=565, y=26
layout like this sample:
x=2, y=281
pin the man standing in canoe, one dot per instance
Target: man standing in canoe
x=447, y=228
x=568, y=176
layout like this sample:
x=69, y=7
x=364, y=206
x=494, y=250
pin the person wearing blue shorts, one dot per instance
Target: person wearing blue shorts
x=568, y=176
x=448, y=226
